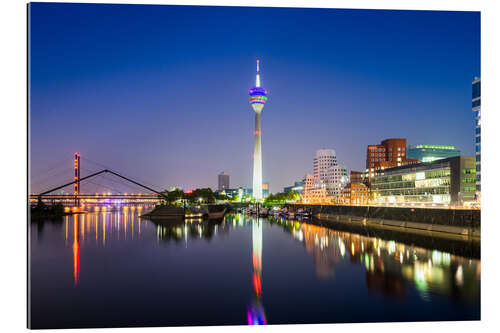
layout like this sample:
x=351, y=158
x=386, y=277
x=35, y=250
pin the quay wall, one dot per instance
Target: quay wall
x=454, y=221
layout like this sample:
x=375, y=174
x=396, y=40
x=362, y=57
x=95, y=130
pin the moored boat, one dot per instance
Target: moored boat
x=165, y=212
x=216, y=211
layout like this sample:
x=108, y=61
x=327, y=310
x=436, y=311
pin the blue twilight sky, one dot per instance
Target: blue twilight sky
x=160, y=92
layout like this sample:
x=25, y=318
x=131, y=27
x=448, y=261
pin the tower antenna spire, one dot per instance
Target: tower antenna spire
x=257, y=79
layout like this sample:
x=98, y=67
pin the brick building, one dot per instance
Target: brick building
x=389, y=153
x=355, y=194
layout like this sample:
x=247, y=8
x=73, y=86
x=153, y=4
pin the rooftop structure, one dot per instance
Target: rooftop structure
x=431, y=153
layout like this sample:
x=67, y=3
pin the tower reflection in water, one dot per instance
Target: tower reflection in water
x=90, y=224
x=76, y=249
x=255, y=311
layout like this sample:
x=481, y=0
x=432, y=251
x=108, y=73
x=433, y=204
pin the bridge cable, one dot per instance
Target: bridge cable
x=127, y=175
x=59, y=164
x=110, y=188
x=96, y=174
x=134, y=177
x=105, y=177
x=119, y=183
x=132, y=187
x=50, y=177
x=102, y=185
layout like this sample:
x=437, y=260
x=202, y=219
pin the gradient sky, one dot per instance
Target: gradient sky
x=160, y=92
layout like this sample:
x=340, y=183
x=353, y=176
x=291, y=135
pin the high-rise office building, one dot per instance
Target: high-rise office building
x=223, y=181
x=476, y=109
x=257, y=98
x=431, y=153
x=389, y=153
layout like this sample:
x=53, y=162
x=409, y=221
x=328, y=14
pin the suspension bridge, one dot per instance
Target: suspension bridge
x=104, y=186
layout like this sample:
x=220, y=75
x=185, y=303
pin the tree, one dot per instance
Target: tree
x=175, y=195
x=171, y=196
x=201, y=195
x=293, y=196
x=220, y=196
x=281, y=198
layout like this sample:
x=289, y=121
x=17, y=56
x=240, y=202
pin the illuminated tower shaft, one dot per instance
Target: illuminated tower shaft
x=257, y=159
x=257, y=97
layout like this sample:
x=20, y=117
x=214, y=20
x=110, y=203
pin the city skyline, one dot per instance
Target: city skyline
x=350, y=78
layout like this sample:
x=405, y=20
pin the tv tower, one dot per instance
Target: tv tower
x=257, y=97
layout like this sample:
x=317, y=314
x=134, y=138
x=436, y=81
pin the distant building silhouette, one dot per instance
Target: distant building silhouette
x=223, y=181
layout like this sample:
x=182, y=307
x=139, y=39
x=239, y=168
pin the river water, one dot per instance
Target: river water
x=112, y=268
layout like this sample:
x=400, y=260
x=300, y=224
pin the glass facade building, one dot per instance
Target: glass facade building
x=444, y=182
x=297, y=187
x=431, y=153
x=265, y=190
x=476, y=109
x=232, y=192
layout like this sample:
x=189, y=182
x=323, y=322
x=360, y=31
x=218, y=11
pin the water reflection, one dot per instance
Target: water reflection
x=390, y=266
x=193, y=229
x=189, y=230
x=123, y=243
x=76, y=249
x=255, y=311
x=121, y=225
x=80, y=229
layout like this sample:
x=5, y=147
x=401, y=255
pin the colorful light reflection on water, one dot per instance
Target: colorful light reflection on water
x=112, y=268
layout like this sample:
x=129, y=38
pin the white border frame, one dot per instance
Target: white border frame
x=14, y=160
